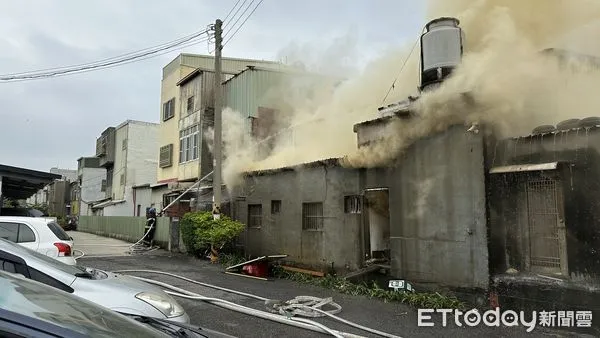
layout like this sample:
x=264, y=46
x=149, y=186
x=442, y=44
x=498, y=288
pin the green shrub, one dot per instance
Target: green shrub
x=199, y=231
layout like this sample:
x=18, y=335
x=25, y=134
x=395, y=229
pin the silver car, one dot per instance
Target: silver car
x=116, y=292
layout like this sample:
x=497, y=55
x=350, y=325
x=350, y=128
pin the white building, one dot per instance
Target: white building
x=135, y=163
x=92, y=184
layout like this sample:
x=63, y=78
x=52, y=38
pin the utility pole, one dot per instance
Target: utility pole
x=218, y=122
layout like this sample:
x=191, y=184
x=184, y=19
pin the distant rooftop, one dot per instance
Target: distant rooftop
x=229, y=64
x=126, y=122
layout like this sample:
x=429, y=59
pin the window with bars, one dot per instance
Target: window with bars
x=275, y=207
x=312, y=216
x=189, y=142
x=169, y=109
x=254, y=216
x=353, y=204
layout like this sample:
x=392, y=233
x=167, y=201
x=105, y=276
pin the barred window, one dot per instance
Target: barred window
x=312, y=216
x=254, y=216
x=352, y=204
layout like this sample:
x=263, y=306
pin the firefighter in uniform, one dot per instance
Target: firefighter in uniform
x=150, y=227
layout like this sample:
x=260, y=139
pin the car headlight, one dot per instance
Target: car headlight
x=166, y=305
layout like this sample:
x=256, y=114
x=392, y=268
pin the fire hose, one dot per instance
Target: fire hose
x=282, y=312
x=137, y=247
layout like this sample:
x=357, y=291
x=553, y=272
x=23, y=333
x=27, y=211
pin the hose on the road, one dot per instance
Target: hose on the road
x=77, y=257
x=302, y=305
x=298, y=322
x=138, y=248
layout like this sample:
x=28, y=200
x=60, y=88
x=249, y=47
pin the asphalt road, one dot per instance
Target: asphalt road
x=394, y=318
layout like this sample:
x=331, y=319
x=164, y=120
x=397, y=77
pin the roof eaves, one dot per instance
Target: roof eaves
x=330, y=162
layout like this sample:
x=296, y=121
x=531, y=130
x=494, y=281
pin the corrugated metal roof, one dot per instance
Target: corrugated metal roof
x=247, y=92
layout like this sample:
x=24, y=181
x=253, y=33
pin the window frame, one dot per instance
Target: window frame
x=253, y=216
x=187, y=137
x=19, y=225
x=276, y=207
x=317, y=225
x=168, y=109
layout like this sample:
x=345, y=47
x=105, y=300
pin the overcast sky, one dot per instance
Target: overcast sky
x=52, y=122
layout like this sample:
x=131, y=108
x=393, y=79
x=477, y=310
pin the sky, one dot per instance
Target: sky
x=52, y=122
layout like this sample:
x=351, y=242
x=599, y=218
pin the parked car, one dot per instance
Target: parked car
x=116, y=292
x=43, y=235
x=24, y=212
x=32, y=309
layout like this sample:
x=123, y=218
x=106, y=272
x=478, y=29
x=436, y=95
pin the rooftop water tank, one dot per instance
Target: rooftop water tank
x=441, y=50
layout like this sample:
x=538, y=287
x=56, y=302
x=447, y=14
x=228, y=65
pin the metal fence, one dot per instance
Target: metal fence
x=126, y=228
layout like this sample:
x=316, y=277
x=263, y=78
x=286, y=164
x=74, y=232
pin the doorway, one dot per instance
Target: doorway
x=546, y=228
x=377, y=229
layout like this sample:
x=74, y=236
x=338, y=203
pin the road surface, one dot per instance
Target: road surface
x=394, y=318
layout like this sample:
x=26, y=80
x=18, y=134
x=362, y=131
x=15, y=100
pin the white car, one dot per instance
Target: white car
x=43, y=235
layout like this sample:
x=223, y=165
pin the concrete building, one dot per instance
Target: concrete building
x=300, y=212
x=66, y=174
x=417, y=218
x=134, y=162
x=91, y=185
x=174, y=109
x=59, y=196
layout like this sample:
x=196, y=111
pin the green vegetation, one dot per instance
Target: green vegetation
x=200, y=231
x=418, y=299
x=433, y=300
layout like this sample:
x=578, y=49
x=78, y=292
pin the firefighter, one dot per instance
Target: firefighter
x=150, y=227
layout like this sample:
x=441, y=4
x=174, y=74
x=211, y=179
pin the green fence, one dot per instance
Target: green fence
x=126, y=228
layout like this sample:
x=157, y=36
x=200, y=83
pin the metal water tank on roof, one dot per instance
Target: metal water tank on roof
x=441, y=50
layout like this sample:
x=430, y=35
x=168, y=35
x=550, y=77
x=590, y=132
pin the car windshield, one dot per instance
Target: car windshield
x=58, y=231
x=45, y=303
x=46, y=260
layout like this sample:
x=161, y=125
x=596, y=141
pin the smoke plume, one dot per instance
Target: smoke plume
x=504, y=81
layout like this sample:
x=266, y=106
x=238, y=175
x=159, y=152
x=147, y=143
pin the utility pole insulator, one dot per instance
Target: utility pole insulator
x=218, y=153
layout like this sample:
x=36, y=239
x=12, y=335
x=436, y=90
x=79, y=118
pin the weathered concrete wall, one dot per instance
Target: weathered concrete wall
x=339, y=240
x=437, y=210
x=578, y=155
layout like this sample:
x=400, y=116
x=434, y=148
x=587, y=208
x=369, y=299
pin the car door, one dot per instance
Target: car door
x=20, y=233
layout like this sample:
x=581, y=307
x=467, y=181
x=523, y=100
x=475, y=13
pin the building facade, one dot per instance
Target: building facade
x=134, y=162
x=172, y=130
x=92, y=185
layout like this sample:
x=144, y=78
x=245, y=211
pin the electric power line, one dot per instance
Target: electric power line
x=112, y=66
x=183, y=39
x=401, y=69
x=107, y=63
x=225, y=23
x=243, y=22
x=231, y=10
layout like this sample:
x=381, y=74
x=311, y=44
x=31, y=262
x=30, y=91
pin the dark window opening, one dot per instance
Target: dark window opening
x=190, y=104
x=254, y=216
x=352, y=204
x=312, y=216
x=275, y=207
